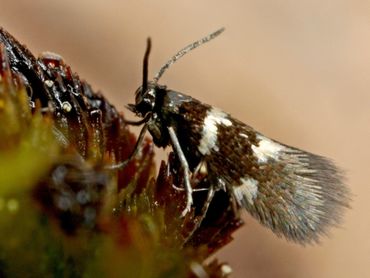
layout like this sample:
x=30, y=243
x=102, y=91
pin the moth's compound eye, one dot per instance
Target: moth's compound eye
x=144, y=106
x=144, y=103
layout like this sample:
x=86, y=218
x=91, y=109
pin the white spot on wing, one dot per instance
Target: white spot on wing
x=243, y=135
x=266, y=149
x=248, y=190
x=213, y=118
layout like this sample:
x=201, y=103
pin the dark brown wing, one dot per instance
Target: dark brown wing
x=295, y=193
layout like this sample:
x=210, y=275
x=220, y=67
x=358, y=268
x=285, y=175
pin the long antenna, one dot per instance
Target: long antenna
x=185, y=50
x=145, y=64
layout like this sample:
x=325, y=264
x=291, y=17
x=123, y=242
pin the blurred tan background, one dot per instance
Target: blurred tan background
x=298, y=71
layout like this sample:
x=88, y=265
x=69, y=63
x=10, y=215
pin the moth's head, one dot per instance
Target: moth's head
x=145, y=95
x=145, y=98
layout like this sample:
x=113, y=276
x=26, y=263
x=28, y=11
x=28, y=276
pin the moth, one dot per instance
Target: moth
x=295, y=193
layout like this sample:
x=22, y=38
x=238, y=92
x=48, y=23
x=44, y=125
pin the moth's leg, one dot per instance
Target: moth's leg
x=178, y=188
x=194, y=189
x=184, y=163
x=195, y=172
x=133, y=154
x=136, y=123
x=139, y=122
x=233, y=200
x=211, y=193
x=199, y=220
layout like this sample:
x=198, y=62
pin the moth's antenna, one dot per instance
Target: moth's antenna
x=145, y=64
x=185, y=50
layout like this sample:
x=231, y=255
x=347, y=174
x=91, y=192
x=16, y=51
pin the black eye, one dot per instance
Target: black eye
x=145, y=100
x=144, y=106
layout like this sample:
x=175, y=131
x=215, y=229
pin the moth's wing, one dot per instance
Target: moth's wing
x=295, y=193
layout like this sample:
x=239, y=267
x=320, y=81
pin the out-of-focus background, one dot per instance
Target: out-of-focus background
x=298, y=71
